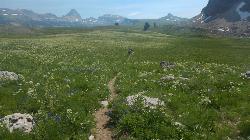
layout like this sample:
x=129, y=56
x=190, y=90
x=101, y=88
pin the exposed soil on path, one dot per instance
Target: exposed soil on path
x=101, y=118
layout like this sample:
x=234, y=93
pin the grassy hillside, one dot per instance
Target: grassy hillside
x=66, y=75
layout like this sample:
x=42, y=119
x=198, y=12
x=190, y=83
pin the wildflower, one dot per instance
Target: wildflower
x=178, y=124
x=30, y=91
x=37, y=84
x=68, y=86
x=31, y=82
x=1, y=125
x=69, y=111
x=21, y=77
x=205, y=100
x=66, y=80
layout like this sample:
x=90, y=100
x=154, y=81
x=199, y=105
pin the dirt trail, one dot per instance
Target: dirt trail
x=102, y=131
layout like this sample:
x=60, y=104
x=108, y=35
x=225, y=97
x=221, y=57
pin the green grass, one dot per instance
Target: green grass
x=66, y=75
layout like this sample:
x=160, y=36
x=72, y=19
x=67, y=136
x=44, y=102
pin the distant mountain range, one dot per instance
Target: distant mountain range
x=23, y=17
x=230, y=17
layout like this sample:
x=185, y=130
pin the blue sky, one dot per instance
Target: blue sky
x=127, y=8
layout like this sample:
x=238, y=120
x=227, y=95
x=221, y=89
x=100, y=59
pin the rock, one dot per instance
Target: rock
x=18, y=121
x=130, y=51
x=178, y=124
x=91, y=137
x=104, y=103
x=167, y=65
x=168, y=78
x=246, y=75
x=5, y=75
x=147, y=101
x=183, y=78
x=132, y=99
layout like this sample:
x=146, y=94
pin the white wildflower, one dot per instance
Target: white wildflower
x=69, y=111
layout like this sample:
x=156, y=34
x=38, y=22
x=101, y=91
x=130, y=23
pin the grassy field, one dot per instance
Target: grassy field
x=64, y=76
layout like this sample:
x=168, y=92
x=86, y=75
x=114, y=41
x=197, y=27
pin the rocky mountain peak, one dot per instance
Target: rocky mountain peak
x=73, y=13
x=73, y=16
x=170, y=15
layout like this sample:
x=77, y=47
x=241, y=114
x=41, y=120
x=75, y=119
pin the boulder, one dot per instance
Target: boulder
x=167, y=65
x=248, y=74
x=130, y=51
x=5, y=75
x=104, y=103
x=91, y=137
x=168, y=78
x=18, y=121
x=147, y=101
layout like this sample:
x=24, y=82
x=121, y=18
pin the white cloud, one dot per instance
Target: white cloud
x=133, y=14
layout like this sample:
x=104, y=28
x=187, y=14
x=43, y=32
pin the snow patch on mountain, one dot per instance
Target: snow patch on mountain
x=243, y=15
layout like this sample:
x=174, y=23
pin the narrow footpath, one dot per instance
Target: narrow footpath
x=101, y=118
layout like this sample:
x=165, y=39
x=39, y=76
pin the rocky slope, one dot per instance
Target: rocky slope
x=230, y=10
x=225, y=17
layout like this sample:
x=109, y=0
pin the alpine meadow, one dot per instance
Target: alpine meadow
x=115, y=78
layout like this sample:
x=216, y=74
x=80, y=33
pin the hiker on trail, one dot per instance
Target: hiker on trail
x=130, y=51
